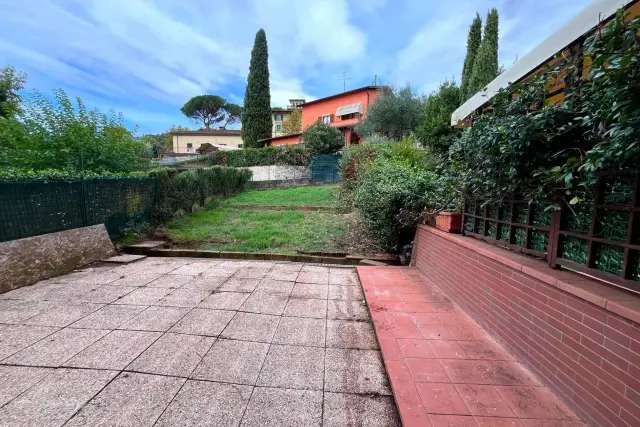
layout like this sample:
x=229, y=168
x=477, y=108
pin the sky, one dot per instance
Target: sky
x=146, y=58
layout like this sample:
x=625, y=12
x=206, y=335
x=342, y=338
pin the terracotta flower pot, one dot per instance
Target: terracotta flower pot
x=451, y=222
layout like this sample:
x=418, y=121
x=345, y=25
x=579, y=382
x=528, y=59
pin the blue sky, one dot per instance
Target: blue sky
x=146, y=58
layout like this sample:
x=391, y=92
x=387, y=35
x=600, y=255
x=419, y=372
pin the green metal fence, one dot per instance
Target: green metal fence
x=325, y=168
x=33, y=208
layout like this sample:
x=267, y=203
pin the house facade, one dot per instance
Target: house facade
x=278, y=115
x=185, y=142
x=343, y=111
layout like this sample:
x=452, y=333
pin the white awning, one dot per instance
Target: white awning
x=580, y=24
x=350, y=109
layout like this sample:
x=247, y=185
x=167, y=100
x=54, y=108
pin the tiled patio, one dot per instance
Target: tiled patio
x=445, y=371
x=192, y=342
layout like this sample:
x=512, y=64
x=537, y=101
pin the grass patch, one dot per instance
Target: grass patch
x=227, y=229
x=296, y=196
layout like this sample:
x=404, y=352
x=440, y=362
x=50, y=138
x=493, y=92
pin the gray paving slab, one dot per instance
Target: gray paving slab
x=15, y=312
x=295, y=367
x=115, y=350
x=321, y=278
x=220, y=270
x=224, y=300
x=347, y=310
x=144, y=296
x=204, y=283
x=351, y=334
x=232, y=361
x=184, y=298
x=251, y=273
x=276, y=407
x=109, y=316
x=301, y=331
x=355, y=371
x=162, y=265
x=285, y=274
x=306, y=307
x=265, y=303
x=98, y=277
x=239, y=285
x=342, y=410
x=274, y=286
x=193, y=268
x=155, y=318
x=104, y=294
x=251, y=327
x=172, y=281
x=203, y=403
x=173, y=354
x=310, y=290
x=135, y=279
x=132, y=400
x=14, y=380
x=124, y=258
x=203, y=322
x=14, y=338
x=345, y=292
x=56, y=348
x=52, y=401
x=63, y=314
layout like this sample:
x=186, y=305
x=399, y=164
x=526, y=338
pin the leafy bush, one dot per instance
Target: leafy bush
x=61, y=135
x=388, y=189
x=286, y=155
x=395, y=113
x=16, y=174
x=320, y=138
x=435, y=130
x=184, y=191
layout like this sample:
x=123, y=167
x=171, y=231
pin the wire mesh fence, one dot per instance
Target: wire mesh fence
x=32, y=208
x=325, y=168
x=600, y=237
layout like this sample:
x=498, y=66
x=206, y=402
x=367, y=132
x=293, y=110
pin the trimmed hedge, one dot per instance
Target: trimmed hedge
x=183, y=191
x=287, y=155
x=18, y=174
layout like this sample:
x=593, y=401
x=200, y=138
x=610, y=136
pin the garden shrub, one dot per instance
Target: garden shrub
x=287, y=155
x=320, y=138
x=182, y=191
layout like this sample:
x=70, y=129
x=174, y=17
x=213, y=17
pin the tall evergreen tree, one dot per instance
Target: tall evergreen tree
x=256, y=115
x=485, y=66
x=473, y=44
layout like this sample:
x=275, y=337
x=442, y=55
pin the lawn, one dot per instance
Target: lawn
x=225, y=228
x=296, y=196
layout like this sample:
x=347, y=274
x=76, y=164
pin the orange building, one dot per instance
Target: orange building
x=343, y=111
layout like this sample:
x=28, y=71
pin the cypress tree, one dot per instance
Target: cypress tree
x=256, y=115
x=485, y=66
x=473, y=44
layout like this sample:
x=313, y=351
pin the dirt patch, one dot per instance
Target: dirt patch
x=357, y=239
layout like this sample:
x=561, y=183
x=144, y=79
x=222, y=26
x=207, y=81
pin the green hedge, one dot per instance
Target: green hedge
x=182, y=191
x=18, y=174
x=287, y=155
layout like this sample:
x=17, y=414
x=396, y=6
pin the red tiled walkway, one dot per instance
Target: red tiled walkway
x=445, y=371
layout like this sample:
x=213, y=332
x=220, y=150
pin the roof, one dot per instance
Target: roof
x=349, y=92
x=580, y=24
x=210, y=132
x=291, y=135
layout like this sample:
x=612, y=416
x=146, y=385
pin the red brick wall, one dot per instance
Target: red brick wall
x=589, y=356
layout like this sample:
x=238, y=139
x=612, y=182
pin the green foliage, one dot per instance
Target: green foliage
x=256, y=116
x=485, y=65
x=60, y=135
x=394, y=114
x=211, y=110
x=473, y=44
x=18, y=174
x=384, y=191
x=183, y=191
x=320, y=138
x=435, y=130
x=285, y=155
x=524, y=146
x=292, y=123
x=11, y=82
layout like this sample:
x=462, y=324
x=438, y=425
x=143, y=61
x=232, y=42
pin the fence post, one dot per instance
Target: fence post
x=553, y=248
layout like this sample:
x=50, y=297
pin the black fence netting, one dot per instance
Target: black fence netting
x=32, y=208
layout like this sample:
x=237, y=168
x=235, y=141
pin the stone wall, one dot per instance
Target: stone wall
x=26, y=261
x=279, y=172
